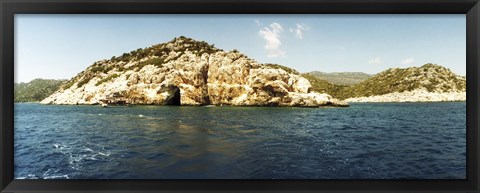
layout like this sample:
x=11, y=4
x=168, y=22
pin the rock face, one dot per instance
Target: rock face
x=189, y=72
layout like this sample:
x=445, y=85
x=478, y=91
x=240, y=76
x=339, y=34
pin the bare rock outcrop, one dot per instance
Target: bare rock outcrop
x=193, y=73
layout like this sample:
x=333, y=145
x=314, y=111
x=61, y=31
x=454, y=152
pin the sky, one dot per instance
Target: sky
x=61, y=46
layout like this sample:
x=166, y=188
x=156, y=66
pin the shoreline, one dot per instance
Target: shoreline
x=357, y=102
x=418, y=95
x=409, y=102
x=209, y=105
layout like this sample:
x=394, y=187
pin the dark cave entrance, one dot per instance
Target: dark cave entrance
x=175, y=97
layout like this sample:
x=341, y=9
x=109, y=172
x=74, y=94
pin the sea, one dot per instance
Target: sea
x=363, y=141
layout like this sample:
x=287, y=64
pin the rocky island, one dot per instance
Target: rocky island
x=184, y=71
x=428, y=83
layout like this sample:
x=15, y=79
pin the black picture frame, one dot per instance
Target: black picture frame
x=8, y=8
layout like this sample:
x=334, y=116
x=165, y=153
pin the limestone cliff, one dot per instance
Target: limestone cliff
x=195, y=71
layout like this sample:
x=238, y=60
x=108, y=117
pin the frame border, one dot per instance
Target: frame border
x=8, y=8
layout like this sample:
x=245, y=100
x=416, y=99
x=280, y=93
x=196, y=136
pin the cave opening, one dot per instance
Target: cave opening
x=175, y=99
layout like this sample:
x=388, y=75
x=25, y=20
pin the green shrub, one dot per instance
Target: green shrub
x=107, y=79
x=161, y=51
x=158, y=62
x=84, y=81
x=125, y=57
x=178, y=56
x=107, y=69
x=96, y=69
x=68, y=85
x=103, y=69
x=287, y=69
x=121, y=69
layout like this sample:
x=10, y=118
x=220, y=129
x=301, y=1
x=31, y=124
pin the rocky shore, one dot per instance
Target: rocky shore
x=418, y=95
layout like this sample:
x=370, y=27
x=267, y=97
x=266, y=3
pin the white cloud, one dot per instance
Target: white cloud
x=375, y=61
x=299, y=30
x=258, y=22
x=407, y=61
x=271, y=34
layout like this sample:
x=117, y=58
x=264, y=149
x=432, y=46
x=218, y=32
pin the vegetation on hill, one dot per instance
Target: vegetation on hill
x=287, y=69
x=323, y=86
x=35, y=90
x=179, y=44
x=318, y=84
x=135, y=60
x=432, y=77
x=341, y=78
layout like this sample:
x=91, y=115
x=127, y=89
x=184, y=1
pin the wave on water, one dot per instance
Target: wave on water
x=49, y=174
x=53, y=174
x=29, y=176
x=77, y=156
x=150, y=117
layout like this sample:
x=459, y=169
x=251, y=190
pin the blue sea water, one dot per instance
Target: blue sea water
x=364, y=141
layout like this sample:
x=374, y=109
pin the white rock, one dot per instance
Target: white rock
x=221, y=78
x=418, y=95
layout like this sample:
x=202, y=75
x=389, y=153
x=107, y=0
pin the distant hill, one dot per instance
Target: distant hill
x=35, y=90
x=341, y=78
x=323, y=86
x=431, y=77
